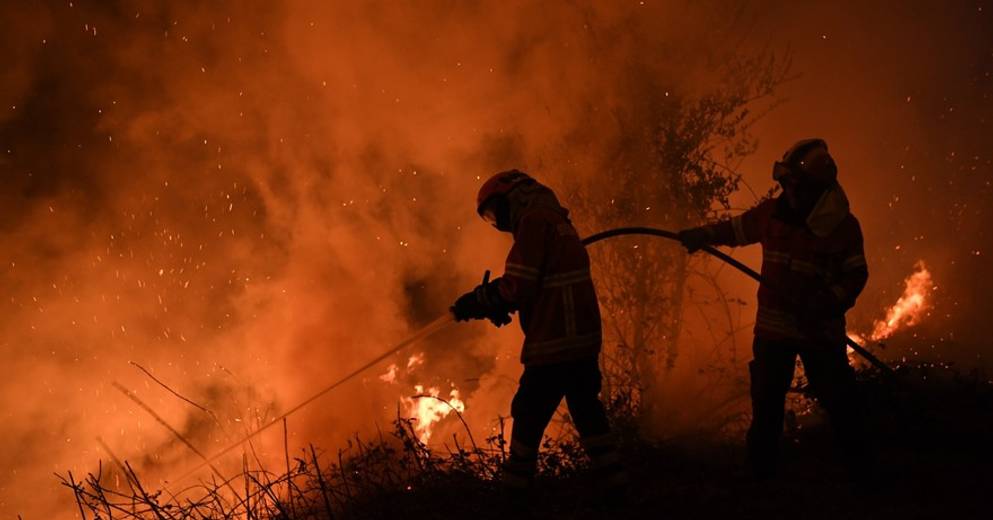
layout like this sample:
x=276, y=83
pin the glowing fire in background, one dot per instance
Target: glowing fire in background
x=908, y=310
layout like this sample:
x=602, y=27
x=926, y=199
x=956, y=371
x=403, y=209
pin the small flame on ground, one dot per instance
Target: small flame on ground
x=415, y=360
x=426, y=408
x=910, y=308
x=391, y=374
x=392, y=371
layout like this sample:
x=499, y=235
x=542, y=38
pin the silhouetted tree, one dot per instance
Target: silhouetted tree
x=673, y=164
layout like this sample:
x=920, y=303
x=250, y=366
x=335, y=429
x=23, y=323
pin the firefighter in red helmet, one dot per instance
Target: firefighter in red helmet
x=547, y=282
x=813, y=269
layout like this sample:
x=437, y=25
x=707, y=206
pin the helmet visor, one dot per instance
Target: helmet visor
x=489, y=215
x=781, y=171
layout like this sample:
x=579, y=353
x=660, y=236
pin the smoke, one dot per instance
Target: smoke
x=251, y=200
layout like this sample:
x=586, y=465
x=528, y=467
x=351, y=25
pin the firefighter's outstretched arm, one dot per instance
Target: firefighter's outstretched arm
x=741, y=230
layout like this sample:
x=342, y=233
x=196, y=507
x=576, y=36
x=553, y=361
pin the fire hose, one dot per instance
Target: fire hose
x=859, y=349
x=444, y=321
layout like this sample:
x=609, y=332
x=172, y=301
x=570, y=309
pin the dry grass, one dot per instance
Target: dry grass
x=932, y=434
x=309, y=487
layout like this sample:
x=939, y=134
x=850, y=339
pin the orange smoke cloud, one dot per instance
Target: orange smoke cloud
x=250, y=201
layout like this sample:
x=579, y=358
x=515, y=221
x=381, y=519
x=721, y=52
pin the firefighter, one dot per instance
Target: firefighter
x=547, y=282
x=813, y=269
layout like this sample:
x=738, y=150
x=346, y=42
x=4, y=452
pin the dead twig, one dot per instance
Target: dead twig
x=131, y=395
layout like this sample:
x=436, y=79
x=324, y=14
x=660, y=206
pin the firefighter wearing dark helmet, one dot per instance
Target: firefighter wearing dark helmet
x=813, y=269
x=547, y=282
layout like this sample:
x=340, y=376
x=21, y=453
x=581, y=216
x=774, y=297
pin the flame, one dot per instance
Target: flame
x=912, y=305
x=907, y=311
x=390, y=376
x=415, y=360
x=426, y=408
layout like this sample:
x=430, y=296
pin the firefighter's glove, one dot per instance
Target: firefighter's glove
x=483, y=302
x=468, y=307
x=694, y=239
x=497, y=309
x=500, y=319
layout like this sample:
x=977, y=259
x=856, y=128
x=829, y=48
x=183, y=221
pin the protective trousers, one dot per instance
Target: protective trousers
x=541, y=390
x=832, y=382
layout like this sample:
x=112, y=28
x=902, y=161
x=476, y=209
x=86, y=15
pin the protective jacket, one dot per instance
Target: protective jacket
x=813, y=266
x=547, y=279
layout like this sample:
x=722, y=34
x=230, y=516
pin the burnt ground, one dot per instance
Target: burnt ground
x=933, y=431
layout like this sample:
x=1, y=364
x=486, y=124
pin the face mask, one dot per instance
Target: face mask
x=497, y=213
x=781, y=171
x=490, y=216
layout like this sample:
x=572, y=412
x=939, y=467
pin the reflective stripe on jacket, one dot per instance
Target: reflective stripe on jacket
x=547, y=276
x=798, y=265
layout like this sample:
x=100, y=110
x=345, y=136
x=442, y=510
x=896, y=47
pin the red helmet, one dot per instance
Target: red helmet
x=499, y=184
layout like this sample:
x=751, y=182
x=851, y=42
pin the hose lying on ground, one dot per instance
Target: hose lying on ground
x=445, y=320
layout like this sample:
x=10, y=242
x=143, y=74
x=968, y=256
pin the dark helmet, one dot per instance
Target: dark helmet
x=491, y=201
x=807, y=161
x=499, y=184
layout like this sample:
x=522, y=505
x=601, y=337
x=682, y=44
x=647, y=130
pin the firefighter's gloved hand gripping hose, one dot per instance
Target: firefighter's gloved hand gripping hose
x=448, y=318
